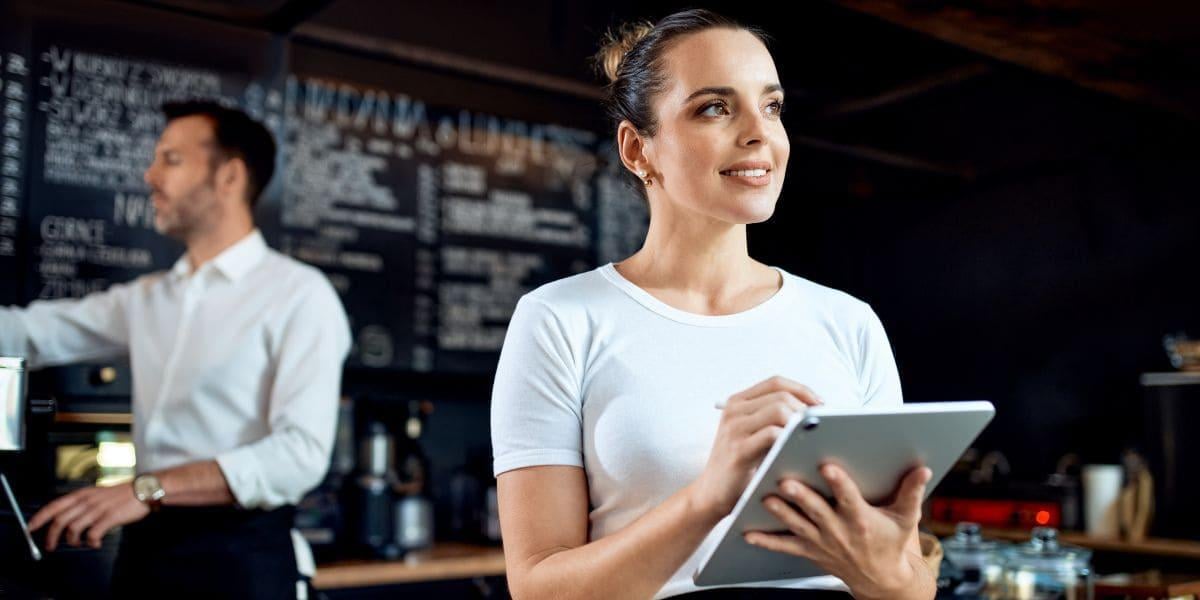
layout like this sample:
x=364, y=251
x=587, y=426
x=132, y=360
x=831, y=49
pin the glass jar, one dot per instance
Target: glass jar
x=1043, y=569
x=975, y=565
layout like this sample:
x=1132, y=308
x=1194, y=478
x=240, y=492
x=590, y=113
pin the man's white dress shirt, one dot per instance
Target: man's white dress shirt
x=239, y=361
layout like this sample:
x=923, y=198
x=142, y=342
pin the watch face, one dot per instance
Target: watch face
x=146, y=487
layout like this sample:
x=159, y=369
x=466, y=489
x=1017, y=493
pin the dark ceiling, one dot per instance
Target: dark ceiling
x=838, y=51
x=1146, y=51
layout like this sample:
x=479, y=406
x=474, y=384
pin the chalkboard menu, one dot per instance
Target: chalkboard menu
x=14, y=97
x=432, y=202
x=622, y=214
x=432, y=219
x=93, y=128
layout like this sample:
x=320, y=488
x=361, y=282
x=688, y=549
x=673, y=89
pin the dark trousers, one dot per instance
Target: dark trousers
x=208, y=552
x=765, y=594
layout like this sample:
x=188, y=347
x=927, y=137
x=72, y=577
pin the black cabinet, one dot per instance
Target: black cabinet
x=1171, y=441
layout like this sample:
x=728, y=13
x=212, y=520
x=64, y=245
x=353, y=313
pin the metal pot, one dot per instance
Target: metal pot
x=13, y=383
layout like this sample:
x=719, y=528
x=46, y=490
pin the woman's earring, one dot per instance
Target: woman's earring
x=646, y=180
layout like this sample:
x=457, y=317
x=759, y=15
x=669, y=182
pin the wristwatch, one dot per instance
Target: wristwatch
x=149, y=491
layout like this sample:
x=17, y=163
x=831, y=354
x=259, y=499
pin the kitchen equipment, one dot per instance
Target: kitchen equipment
x=414, y=523
x=1183, y=352
x=370, y=502
x=975, y=565
x=1066, y=489
x=466, y=505
x=34, y=552
x=414, y=509
x=1065, y=484
x=342, y=462
x=86, y=388
x=491, y=521
x=13, y=384
x=980, y=490
x=1043, y=569
x=997, y=512
x=1171, y=409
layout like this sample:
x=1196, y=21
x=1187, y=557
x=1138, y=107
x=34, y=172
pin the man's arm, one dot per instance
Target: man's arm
x=57, y=332
x=200, y=483
x=310, y=347
x=86, y=515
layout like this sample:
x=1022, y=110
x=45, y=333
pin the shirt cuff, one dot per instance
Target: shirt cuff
x=242, y=473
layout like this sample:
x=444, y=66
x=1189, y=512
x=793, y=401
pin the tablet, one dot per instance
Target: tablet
x=875, y=446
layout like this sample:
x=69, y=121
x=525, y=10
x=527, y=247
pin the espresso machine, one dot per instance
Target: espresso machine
x=13, y=405
x=13, y=384
x=31, y=438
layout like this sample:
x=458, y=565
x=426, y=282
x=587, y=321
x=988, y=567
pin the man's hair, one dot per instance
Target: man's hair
x=236, y=136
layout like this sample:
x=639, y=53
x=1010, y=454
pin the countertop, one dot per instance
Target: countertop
x=442, y=561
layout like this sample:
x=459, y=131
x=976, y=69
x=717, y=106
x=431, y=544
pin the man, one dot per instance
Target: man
x=236, y=354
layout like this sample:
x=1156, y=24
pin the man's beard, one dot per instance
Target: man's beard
x=188, y=214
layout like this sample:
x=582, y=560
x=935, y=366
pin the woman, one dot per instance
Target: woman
x=603, y=407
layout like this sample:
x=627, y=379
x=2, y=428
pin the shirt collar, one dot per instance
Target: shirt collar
x=233, y=262
x=181, y=267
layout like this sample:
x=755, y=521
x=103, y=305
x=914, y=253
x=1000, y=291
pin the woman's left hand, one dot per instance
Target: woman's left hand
x=873, y=549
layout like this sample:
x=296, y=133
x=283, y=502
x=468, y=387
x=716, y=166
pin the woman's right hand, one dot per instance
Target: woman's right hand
x=750, y=423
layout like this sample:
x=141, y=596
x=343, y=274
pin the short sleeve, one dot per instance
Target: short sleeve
x=536, y=411
x=878, y=377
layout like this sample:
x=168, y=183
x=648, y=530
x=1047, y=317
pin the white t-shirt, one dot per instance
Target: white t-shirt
x=597, y=373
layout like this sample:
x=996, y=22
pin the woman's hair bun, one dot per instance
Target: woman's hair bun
x=617, y=43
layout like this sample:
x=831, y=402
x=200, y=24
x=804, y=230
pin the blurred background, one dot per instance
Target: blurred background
x=1012, y=186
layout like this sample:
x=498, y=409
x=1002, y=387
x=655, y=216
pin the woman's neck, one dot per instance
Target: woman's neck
x=700, y=265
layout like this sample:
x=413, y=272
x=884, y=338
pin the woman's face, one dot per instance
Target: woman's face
x=720, y=149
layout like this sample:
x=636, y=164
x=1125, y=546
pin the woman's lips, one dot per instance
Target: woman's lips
x=748, y=177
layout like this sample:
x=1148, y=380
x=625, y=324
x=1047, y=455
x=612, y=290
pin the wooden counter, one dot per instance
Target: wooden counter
x=1151, y=585
x=89, y=418
x=465, y=561
x=1185, y=549
x=443, y=561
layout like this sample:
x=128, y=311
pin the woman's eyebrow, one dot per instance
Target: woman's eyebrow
x=714, y=91
x=728, y=91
